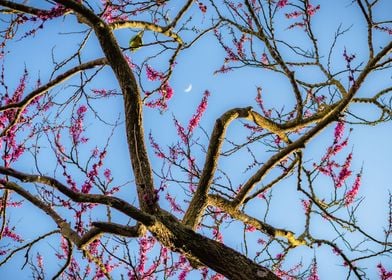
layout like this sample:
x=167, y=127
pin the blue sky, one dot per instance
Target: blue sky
x=371, y=145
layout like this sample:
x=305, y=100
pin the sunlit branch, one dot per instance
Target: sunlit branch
x=274, y=182
x=199, y=200
x=227, y=207
x=148, y=26
x=331, y=116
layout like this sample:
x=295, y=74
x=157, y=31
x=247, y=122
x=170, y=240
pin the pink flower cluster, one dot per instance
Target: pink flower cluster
x=174, y=206
x=86, y=187
x=306, y=14
x=202, y=7
x=112, y=12
x=352, y=193
x=230, y=55
x=349, y=58
x=328, y=165
x=64, y=250
x=217, y=235
x=259, y=101
x=194, y=121
x=384, y=274
x=165, y=91
x=313, y=271
x=104, y=92
x=154, y=75
x=239, y=44
x=40, y=261
x=14, y=150
x=282, y=3
x=157, y=149
x=76, y=127
x=345, y=172
x=145, y=245
x=264, y=59
x=9, y=232
x=306, y=205
x=56, y=11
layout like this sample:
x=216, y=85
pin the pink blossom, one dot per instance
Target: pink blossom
x=306, y=205
x=297, y=24
x=264, y=59
x=351, y=194
x=108, y=174
x=261, y=241
x=86, y=187
x=64, y=248
x=40, y=261
x=217, y=235
x=156, y=147
x=81, y=110
x=112, y=12
x=349, y=59
x=345, y=172
x=282, y=3
x=217, y=276
x=294, y=14
x=313, y=271
x=239, y=44
x=202, y=7
x=76, y=127
x=7, y=232
x=339, y=130
x=153, y=75
x=224, y=69
x=194, y=121
x=104, y=92
x=56, y=11
x=384, y=274
x=260, y=102
x=253, y=128
x=181, y=131
x=3, y=252
x=17, y=95
x=166, y=92
x=250, y=228
x=174, y=206
x=311, y=10
x=145, y=245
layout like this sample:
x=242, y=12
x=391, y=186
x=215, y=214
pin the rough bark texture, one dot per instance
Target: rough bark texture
x=213, y=254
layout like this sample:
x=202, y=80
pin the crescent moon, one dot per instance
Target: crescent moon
x=189, y=88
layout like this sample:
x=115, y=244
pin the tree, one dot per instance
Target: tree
x=73, y=138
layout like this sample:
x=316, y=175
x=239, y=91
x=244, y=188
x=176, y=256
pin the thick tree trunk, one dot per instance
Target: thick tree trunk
x=217, y=256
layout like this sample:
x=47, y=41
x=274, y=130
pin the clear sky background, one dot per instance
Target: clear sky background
x=371, y=145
